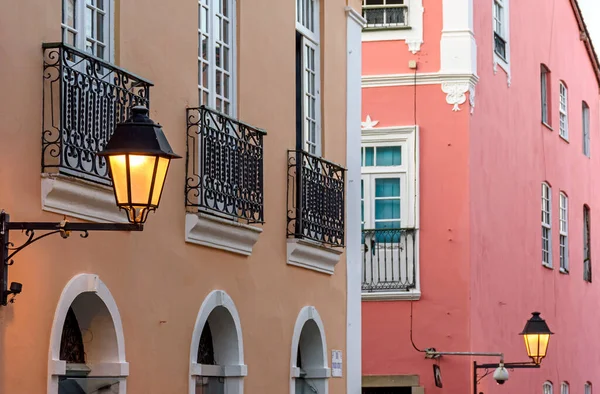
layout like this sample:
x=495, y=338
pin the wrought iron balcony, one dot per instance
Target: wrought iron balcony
x=500, y=46
x=389, y=260
x=224, y=166
x=385, y=16
x=316, y=191
x=84, y=97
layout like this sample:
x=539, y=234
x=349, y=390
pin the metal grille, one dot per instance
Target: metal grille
x=224, y=165
x=389, y=259
x=500, y=46
x=206, y=353
x=385, y=16
x=71, y=341
x=316, y=193
x=83, y=99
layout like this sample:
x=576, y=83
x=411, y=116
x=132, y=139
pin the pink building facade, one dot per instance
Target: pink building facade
x=479, y=118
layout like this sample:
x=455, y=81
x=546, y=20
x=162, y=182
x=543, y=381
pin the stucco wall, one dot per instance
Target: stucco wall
x=157, y=280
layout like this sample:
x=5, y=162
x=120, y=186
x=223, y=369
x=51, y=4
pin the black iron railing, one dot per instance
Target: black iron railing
x=389, y=260
x=224, y=166
x=385, y=16
x=499, y=45
x=83, y=99
x=315, y=199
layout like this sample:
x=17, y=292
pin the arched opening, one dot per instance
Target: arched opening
x=217, y=358
x=87, y=353
x=310, y=372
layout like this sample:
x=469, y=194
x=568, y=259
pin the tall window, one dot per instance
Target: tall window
x=216, y=54
x=564, y=232
x=87, y=25
x=385, y=13
x=547, y=388
x=308, y=76
x=563, y=112
x=585, y=125
x=500, y=28
x=545, y=93
x=587, y=388
x=587, y=252
x=546, y=225
x=564, y=388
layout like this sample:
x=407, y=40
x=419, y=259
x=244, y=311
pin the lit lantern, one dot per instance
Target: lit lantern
x=138, y=155
x=537, y=335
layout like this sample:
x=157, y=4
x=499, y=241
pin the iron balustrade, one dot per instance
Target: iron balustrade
x=389, y=259
x=316, y=191
x=84, y=97
x=224, y=166
x=500, y=46
x=385, y=16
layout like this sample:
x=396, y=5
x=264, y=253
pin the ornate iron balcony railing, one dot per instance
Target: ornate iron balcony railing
x=389, y=260
x=316, y=191
x=385, y=16
x=499, y=45
x=84, y=97
x=224, y=166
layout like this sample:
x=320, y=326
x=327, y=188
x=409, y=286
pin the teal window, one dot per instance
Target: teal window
x=387, y=203
x=381, y=156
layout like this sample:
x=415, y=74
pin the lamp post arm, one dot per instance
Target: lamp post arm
x=430, y=353
x=64, y=228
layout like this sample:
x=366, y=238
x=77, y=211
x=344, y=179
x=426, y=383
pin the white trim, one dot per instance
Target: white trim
x=220, y=233
x=80, y=199
x=412, y=35
x=374, y=81
x=412, y=295
x=79, y=284
x=498, y=60
x=322, y=371
x=312, y=255
x=548, y=224
x=219, y=370
x=355, y=16
x=563, y=94
x=233, y=359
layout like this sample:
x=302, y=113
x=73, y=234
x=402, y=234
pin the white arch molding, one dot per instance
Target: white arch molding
x=107, y=359
x=218, y=309
x=309, y=338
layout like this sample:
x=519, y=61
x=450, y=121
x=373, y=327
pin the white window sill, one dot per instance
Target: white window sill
x=312, y=255
x=547, y=126
x=504, y=65
x=563, y=271
x=81, y=199
x=546, y=265
x=565, y=139
x=412, y=295
x=218, y=233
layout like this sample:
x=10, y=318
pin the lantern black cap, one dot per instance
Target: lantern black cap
x=536, y=325
x=139, y=135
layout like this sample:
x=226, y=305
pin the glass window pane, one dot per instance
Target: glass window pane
x=390, y=224
x=70, y=17
x=387, y=187
x=369, y=157
x=387, y=209
x=89, y=22
x=100, y=4
x=389, y=156
x=100, y=24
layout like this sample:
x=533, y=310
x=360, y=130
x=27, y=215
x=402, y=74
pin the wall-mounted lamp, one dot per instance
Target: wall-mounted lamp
x=138, y=154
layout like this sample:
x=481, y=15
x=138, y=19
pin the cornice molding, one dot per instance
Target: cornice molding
x=355, y=16
x=374, y=81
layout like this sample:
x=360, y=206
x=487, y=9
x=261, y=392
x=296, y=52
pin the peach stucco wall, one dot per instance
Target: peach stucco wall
x=512, y=153
x=157, y=280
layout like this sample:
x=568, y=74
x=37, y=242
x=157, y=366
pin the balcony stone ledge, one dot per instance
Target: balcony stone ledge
x=412, y=295
x=219, y=233
x=81, y=199
x=312, y=255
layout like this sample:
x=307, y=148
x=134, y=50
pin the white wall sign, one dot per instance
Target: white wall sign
x=336, y=363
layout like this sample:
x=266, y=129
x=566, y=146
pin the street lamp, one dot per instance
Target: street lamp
x=536, y=334
x=138, y=154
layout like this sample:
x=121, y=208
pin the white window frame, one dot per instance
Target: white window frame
x=585, y=126
x=308, y=26
x=384, y=7
x=547, y=388
x=369, y=180
x=544, y=77
x=563, y=230
x=587, y=388
x=563, y=111
x=547, y=223
x=564, y=388
x=79, y=29
x=504, y=32
x=214, y=100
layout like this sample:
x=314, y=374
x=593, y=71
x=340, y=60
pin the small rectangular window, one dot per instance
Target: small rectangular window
x=381, y=156
x=548, y=389
x=585, y=122
x=564, y=388
x=563, y=112
x=587, y=388
x=564, y=232
x=546, y=225
x=545, y=97
x=87, y=25
x=385, y=13
x=500, y=28
x=587, y=252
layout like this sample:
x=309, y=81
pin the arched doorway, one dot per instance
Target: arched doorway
x=87, y=350
x=309, y=368
x=216, y=354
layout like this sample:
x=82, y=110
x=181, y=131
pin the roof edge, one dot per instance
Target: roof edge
x=585, y=37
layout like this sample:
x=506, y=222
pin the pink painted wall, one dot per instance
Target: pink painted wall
x=512, y=153
x=480, y=185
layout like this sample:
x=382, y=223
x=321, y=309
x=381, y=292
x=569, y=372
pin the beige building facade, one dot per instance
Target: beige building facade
x=246, y=278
